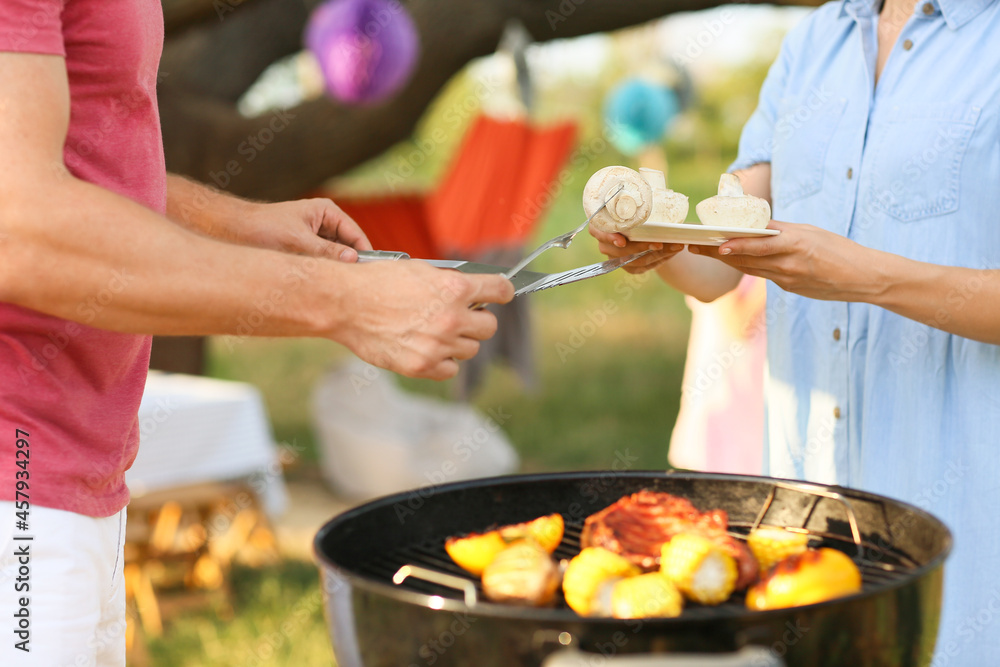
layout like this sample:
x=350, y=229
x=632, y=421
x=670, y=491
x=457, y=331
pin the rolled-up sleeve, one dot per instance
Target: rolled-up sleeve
x=757, y=138
x=32, y=26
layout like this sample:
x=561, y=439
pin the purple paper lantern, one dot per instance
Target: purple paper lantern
x=367, y=49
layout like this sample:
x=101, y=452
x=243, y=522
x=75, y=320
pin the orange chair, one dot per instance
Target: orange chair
x=499, y=185
x=502, y=180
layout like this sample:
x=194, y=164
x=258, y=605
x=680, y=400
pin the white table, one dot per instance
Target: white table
x=196, y=429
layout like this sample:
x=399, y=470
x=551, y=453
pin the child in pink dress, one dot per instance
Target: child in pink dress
x=720, y=427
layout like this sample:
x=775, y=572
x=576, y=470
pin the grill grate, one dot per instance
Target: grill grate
x=889, y=567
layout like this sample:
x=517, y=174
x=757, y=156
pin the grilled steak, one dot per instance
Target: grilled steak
x=637, y=526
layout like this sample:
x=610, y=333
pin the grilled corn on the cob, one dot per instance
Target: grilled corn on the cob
x=699, y=568
x=770, y=544
x=646, y=596
x=585, y=574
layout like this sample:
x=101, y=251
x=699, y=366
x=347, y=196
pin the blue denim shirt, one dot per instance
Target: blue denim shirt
x=857, y=395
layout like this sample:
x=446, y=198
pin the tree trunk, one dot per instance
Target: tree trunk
x=219, y=47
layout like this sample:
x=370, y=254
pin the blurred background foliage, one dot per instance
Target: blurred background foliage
x=619, y=389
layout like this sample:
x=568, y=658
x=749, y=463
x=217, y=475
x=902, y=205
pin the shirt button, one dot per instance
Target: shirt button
x=850, y=173
x=836, y=413
x=907, y=44
x=928, y=8
x=836, y=334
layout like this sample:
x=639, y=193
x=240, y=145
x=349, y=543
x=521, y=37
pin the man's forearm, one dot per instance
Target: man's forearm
x=103, y=260
x=206, y=210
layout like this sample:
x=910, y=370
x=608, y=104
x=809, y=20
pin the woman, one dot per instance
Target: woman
x=878, y=134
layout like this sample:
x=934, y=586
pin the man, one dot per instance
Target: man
x=98, y=249
x=879, y=126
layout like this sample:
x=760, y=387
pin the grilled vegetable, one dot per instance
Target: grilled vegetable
x=813, y=576
x=522, y=573
x=547, y=531
x=637, y=526
x=770, y=544
x=475, y=551
x=699, y=568
x=586, y=573
x=646, y=596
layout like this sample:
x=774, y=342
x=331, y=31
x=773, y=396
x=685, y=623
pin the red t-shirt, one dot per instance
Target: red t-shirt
x=73, y=388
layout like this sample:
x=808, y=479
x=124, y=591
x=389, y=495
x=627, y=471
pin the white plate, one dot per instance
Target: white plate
x=694, y=234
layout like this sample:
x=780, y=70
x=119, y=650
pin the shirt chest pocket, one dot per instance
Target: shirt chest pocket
x=916, y=159
x=802, y=134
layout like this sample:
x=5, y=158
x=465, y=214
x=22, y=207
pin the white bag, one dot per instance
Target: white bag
x=374, y=439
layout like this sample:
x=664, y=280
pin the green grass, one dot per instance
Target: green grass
x=279, y=621
x=609, y=384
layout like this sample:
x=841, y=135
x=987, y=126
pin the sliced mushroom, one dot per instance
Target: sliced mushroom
x=733, y=208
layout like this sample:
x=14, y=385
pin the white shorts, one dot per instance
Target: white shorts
x=66, y=595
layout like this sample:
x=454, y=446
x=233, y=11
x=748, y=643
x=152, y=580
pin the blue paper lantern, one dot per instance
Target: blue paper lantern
x=638, y=114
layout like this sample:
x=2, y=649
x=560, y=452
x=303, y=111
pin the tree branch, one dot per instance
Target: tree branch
x=280, y=156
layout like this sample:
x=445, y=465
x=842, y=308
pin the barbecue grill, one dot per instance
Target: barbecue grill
x=395, y=599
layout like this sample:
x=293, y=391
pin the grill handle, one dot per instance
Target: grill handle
x=748, y=656
x=448, y=580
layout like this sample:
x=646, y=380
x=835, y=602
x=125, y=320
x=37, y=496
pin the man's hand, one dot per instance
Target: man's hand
x=618, y=245
x=806, y=260
x=316, y=227
x=414, y=319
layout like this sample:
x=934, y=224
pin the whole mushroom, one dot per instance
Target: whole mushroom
x=733, y=208
x=669, y=207
x=625, y=210
x=644, y=197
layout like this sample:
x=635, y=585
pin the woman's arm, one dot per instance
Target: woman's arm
x=819, y=264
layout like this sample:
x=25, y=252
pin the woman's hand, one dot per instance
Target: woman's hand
x=806, y=260
x=618, y=245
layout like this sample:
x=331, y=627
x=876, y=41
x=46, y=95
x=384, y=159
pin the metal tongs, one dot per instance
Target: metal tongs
x=525, y=282
x=563, y=240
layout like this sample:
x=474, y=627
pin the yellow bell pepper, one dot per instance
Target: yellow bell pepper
x=814, y=576
x=475, y=551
